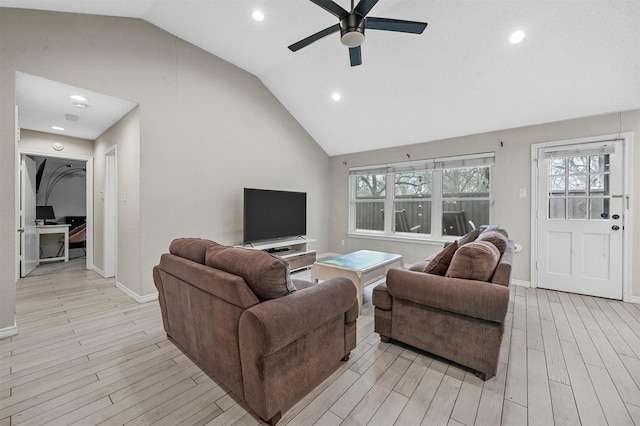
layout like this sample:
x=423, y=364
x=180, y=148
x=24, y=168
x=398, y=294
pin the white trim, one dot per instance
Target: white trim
x=89, y=195
x=634, y=299
x=627, y=141
x=9, y=331
x=521, y=283
x=135, y=296
x=98, y=270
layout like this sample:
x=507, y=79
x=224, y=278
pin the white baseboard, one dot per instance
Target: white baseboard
x=98, y=270
x=521, y=283
x=9, y=331
x=135, y=296
x=635, y=299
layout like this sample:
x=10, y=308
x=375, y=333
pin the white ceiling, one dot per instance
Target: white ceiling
x=460, y=77
x=45, y=103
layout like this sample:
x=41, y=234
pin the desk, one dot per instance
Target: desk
x=62, y=228
x=363, y=267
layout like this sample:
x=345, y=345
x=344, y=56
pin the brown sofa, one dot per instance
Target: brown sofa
x=237, y=313
x=452, y=304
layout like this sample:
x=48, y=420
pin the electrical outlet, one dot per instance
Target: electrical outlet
x=523, y=193
x=341, y=242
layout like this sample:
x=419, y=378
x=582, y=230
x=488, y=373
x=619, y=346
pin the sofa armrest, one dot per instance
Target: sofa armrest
x=476, y=299
x=273, y=324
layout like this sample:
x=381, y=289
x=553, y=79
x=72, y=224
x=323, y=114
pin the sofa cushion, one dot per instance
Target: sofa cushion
x=440, y=263
x=268, y=276
x=468, y=237
x=194, y=249
x=499, y=229
x=496, y=238
x=380, y=297
x=474, y=261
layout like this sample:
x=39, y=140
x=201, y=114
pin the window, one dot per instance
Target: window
x=439, y=197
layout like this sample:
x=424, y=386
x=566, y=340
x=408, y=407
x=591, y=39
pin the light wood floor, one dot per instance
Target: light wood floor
x=87, y=354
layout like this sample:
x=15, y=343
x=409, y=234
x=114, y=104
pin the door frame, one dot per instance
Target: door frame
x=627, y=190
x=110, y=207
x=89, y=207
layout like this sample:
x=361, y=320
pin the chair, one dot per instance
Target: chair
x=402, y=222
x=77, y=239
x=456, y=223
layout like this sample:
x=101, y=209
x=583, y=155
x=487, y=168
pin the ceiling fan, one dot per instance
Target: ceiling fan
x=352, y=25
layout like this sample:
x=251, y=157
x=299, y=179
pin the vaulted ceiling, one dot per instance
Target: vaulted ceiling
x=461, y=76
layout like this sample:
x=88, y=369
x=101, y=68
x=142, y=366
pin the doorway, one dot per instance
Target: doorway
x=55, y=196
x=110, y=213
x=581, y=212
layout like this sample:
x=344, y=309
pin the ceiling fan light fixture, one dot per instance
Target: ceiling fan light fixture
x=258, y=16
x=516, y=37
x=352, y=38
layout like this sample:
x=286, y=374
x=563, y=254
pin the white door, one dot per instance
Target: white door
x=580, y=219
x=28, y=241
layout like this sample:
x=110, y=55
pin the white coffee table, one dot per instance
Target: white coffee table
x=363, y=267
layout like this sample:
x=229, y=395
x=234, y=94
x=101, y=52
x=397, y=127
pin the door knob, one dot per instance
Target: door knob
x=615, y=227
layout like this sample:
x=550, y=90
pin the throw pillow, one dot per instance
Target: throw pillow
x=499, y=229
x=193, y=249
x=495, y=237
x=468, y=237
x=474, y=261
x=440, y=263
x=268, y=276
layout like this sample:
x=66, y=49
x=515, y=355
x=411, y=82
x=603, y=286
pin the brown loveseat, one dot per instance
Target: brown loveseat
x=237, y=313
x=454, y=304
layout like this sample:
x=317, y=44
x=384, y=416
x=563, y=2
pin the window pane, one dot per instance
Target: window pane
x=472, y=181
x=599, y=208
x=577, y=164
x=578, y=208
x=413, y=185
x=577, y=184
x=557, y=166
x=557, y=185
x=370, y=216
x=599, y=163
x=557, y=208
x=412, y=217
x=370, y=186
x=460, y=217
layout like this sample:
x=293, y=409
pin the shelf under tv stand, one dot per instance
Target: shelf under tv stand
x=296, y=251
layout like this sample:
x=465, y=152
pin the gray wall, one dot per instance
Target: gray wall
x=511, y=173
x=207, y=129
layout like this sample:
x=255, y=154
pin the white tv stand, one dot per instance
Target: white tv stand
x=296, y=251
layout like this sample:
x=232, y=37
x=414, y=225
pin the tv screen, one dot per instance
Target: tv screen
x=270, y=215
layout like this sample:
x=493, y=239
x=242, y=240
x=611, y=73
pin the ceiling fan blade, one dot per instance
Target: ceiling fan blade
x=365, y=6
x=332, y=8
x=355, y=56
x=387, y=24
x=317, y=36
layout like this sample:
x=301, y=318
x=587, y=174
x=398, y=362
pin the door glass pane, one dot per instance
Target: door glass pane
x=557, y=185
x=596, y=184
x=577, y=164
x=599, y=163
x=557, y=208
x=557, y=166
x=578, y=208
x=577, y=184
x=599, y=208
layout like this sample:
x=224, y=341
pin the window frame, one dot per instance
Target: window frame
x=436, y=166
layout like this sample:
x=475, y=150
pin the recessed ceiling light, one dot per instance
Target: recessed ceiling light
x=57, y=128
x=78, y=98
x=335, y=96
x=258, y=16
x=516, y=37
x=80, y=105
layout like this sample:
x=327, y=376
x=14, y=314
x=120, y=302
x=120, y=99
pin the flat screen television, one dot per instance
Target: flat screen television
x=272, y=215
